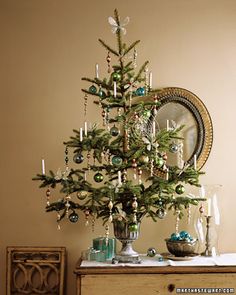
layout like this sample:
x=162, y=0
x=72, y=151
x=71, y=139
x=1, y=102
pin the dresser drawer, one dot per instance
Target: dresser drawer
x=153, y=284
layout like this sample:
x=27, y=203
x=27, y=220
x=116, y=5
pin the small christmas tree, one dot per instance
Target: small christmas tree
x=127, y=159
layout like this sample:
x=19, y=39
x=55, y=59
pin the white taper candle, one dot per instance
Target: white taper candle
x=150, y=80
x=96, y=71
x=167, y=125
x=115, y=89
x=43, y=167
x=81, y=134
x=119, y=177
x=154, y=128
x=85, y=128
x=195, y=162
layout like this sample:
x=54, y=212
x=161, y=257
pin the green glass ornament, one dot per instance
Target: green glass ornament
x=146, y=113
x=98, y=177
x=116, y=76
x=114, y=131
x=73, y=217
x=92, y=89
x=151, y=252
x=179, y=189
x=159, y=162
x=116, y=160
x=133, y=227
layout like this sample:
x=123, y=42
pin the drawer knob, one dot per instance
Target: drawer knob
x=171, y=287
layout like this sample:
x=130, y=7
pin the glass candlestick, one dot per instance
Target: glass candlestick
x=209, y=249
x=208, y=221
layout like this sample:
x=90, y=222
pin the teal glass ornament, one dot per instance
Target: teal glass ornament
x=175, y=237
x=184, y=235
x=73, y=217
x=114, y=131
x=116, y=160
x=78, y=158
x=140, y=91
x=180, y=189
x=101, y=94
x=92, y=89
x=98, y=177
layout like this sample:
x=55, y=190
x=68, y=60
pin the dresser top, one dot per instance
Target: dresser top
x=225, y=263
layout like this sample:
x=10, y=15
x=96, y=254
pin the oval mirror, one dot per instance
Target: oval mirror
x=181, y=107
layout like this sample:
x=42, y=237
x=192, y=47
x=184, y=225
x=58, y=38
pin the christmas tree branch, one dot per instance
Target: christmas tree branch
x=131, y=47
x=138, y=76
x=108, y=47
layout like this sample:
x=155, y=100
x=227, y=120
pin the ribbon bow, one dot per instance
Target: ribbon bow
x=116, y=27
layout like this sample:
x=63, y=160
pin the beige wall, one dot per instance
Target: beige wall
x=48, y=45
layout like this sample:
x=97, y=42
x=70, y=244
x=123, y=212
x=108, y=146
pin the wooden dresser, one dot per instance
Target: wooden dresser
x=160, y=280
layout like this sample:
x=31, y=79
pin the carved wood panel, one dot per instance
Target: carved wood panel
x=36, y=270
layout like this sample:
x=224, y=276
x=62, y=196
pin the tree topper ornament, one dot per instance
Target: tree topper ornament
x=116, y=26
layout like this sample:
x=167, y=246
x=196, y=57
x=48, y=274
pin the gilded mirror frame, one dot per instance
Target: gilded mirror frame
x=200, y=114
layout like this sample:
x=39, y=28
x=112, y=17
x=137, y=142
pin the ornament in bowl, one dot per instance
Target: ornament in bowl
x=181, y=244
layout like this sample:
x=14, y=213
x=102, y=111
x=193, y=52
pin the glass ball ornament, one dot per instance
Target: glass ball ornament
x=179, y=189
x=114, y=131
x=98, y=177
x=160, y=259
x=159, y=162
x=161, y=213
x=175, y=237
x=78, y=158
x=151, y=252
x=184, y=235
x=146, y=113
x=116, y=160
x=116, y=76
x=133, y=227
x=174, y=148
x=92, y=89
x=144, y=159
x=73, y=217
x=140, y=91
x=101, y=94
